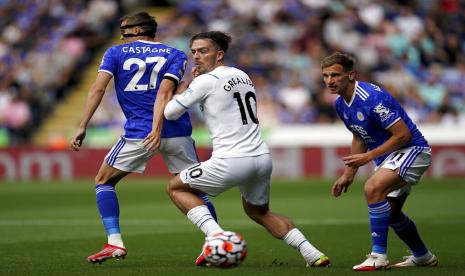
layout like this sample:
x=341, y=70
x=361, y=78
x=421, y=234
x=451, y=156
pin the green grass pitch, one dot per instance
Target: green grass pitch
x=49, y=229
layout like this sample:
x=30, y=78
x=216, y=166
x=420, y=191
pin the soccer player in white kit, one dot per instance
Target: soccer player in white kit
x=240, y=157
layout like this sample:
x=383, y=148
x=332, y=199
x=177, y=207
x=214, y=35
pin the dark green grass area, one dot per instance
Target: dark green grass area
x=49, y=229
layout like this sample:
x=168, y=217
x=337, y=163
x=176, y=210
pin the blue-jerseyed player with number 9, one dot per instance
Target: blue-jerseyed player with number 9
x=145, y=73
x=384, y=133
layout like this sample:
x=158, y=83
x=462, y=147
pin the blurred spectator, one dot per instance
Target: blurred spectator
x=43, y=44
x=400, y=44
x=414, y=48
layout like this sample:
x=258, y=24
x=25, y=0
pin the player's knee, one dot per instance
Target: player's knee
x=101, y=179
x=174, y=185
x=373, y=190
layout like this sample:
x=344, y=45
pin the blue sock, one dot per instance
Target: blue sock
x=407, y=232
x=107, y=203
x=379, y=225
x=210, y=206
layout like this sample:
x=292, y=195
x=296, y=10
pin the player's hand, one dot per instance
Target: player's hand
x=357, y=160
x=195, y=72
x=152, y=142
x=341, y=185
x=78, y=138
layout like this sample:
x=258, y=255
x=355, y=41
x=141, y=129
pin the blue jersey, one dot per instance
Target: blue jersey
x=371, y=112
x=138, y=69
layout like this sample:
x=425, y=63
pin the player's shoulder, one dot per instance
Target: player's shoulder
x=368, y=91
x=207, y=78
x=224, y=72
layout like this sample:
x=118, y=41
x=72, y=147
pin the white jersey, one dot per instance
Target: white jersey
x=228, y=102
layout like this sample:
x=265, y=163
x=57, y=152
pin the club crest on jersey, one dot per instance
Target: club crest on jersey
x=383, y=112
x=360, y=116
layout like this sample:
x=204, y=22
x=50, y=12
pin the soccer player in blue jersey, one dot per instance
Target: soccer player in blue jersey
x=384, y=133
x=146, y=73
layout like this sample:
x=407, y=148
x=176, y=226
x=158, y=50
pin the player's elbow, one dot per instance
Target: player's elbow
x=97, y=90
x=405, y=137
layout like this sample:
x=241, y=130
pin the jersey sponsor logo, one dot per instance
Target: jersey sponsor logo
x=144, y=49
x=360, y=116
x=362, y=132
x=383, y=112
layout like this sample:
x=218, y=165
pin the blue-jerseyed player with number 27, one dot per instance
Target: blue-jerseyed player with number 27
x=146, y=73
x=384, y=133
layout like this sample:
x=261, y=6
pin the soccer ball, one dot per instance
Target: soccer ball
x=226, y=249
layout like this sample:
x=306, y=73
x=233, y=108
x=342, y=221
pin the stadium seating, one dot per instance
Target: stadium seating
x=416, y=51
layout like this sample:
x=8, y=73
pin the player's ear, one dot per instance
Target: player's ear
x=219, y=55
x=352, y=75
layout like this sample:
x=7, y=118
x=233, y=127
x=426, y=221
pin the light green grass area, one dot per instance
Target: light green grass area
x=49, y=229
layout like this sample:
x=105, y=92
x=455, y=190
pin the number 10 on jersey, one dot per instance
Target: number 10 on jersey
x=249, y=95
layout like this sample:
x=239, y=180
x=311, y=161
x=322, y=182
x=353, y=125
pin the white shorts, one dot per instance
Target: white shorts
x=216, y=175
x=129, y=155
x=412, y=162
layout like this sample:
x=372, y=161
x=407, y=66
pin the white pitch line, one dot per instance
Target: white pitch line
x=177, y=222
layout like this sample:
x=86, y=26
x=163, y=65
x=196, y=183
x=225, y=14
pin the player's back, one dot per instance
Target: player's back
x=230, y=110
x=138, y=69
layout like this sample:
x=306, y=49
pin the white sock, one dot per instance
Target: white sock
x=202, y=217
x=116, y=240
x=296, y=239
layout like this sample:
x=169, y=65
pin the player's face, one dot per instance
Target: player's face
x=336, y=79
x=206, y=56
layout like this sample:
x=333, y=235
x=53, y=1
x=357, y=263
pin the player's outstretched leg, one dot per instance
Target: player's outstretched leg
x=108, y=206
x=282, y=228
x=406, y=230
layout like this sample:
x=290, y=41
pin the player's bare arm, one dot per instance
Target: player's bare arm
x=94, y=98
x=400, y=136
x=346, y=179
x=181, y=87
x=153, y=140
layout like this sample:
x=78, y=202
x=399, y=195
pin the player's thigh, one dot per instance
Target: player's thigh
x=128, y=155
x=410, y=164
x=109, y=175
x=208, y=176
x=255, y=189
x=216, y=175
x=178, y=153
x=383, y=181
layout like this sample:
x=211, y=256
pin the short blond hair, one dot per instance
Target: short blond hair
x=347, y=61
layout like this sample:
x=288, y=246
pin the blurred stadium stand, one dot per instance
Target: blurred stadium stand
x=44, y=47
x=415, y=49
